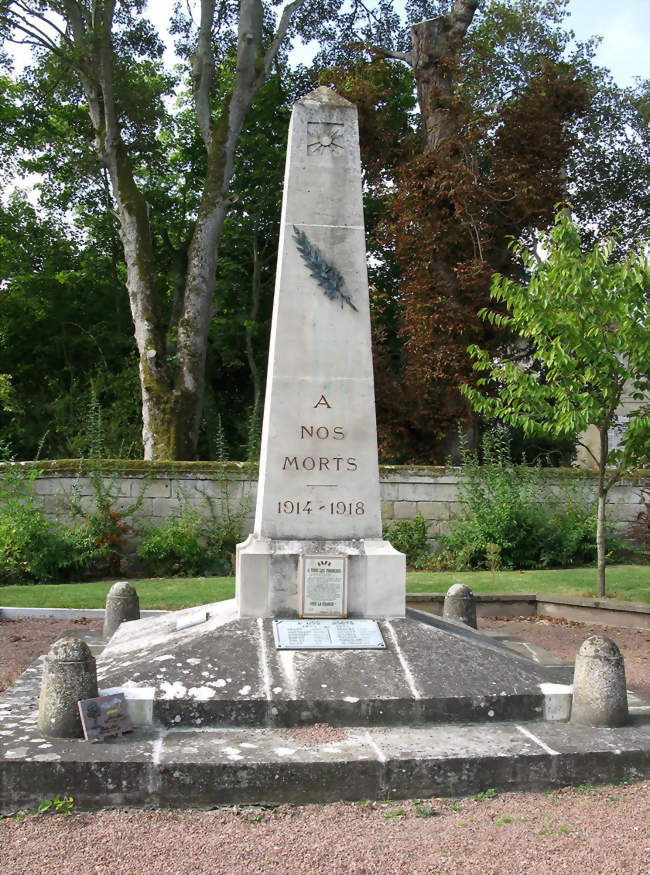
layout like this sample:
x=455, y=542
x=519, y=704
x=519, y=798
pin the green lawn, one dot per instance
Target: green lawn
x=154, y=594
x=627, y=582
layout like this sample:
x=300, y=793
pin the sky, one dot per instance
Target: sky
x=624, y=27
x=625, y=30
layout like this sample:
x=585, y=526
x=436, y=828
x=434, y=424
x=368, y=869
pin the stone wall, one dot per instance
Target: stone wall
x=209, y=487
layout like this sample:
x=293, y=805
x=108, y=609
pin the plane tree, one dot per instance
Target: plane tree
x=107, y=57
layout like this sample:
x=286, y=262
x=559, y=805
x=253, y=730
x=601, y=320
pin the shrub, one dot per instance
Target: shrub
x=409, y=537
x=32, y=549
x=533, y=523
x=183, y=545
x=190, y=543
x=106, y=533
x=102, y=536
x=174, y=547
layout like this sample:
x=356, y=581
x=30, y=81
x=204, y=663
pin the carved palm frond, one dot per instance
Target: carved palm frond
x=327, y=276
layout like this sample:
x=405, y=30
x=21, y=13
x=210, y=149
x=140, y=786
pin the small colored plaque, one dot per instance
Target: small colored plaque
x=323, y=586
x=328, y=635
x=104, y=716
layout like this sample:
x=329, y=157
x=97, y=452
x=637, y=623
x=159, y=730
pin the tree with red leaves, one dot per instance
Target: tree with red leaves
x=484, y=163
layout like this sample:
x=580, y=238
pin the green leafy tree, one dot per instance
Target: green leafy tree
x=106, y=57
x=512, y=118
x=608, y=171
x=585, y=316
x=497, y=89
x=64, y=274
x=60, y=331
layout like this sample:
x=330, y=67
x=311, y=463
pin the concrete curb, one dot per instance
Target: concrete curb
x=62, y=613
x=182, y=770
x=635, y=615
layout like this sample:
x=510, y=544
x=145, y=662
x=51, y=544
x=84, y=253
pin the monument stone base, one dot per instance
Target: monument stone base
x=268, y=583
x=221, y=716
x=206, y=666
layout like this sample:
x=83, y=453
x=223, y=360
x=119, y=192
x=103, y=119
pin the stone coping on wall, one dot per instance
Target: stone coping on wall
x=579, y=601
x=140, y=467
x=605, y=604
x=249, y=470
x=614, y=613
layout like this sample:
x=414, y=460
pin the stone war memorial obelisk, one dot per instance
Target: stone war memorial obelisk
x=318, y=637
x=317, y=548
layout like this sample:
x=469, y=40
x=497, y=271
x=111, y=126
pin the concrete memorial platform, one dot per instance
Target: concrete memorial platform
x=166, y=763
x=229, y=671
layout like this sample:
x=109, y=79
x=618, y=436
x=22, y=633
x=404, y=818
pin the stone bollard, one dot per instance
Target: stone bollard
x=69, y=675
x=599, y=691
x=122, y=604
x=460, y=605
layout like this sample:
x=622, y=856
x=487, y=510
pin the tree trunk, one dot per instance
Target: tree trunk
x=114, y=251
x=135, y=233
x=434, y=57
x=435, y=44
x=155, y=378
x=600, y=524
x=600, y=542
x=256, y=294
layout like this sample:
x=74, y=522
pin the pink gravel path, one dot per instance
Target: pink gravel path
x=602, y=830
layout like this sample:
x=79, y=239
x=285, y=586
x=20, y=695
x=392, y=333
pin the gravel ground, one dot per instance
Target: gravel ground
x=564, y=637
x=581, y=830
x=23, y=641
x=584, y=829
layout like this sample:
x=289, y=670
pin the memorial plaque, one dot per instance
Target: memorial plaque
x=104, y=716
x=323, y=586
x=328, y=635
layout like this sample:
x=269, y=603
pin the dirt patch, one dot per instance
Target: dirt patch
x=564, y=637
x=317, y=733
x=23, y=641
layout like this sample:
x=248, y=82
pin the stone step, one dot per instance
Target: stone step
x=194, y=765
x=156, y=767
x=222, y=670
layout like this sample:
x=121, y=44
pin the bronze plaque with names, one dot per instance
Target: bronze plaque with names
x=328, y=635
